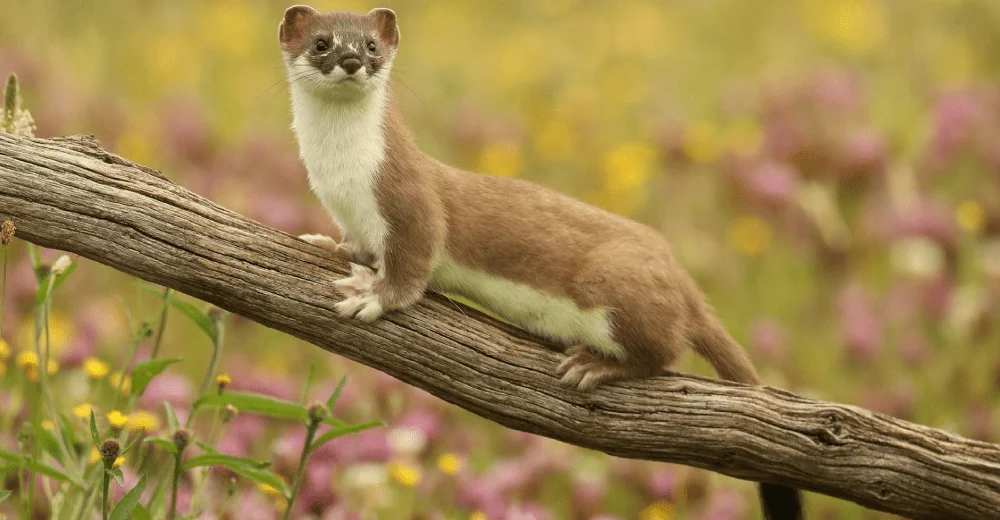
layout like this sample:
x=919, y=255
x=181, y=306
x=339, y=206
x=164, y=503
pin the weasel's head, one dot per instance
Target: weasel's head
x=340, y=54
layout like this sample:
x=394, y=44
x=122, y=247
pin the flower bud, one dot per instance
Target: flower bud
x=317, y=413
x=7, y=230
x=182, y=438
x=110, y=451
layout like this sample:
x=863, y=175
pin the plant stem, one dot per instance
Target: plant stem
x=3, y=289
x=306, y=450
x=164, y=306
x=216, y=355
x=104, y=496
x=176, y=482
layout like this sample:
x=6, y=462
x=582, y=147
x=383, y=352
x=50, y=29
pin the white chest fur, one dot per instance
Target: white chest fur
x=342, y=144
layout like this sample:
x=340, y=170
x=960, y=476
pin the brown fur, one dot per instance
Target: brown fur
x=522, y=232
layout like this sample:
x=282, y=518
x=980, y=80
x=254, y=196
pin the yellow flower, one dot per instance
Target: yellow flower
x=223, y=380
x=94, y=456
x=555, y=141
x=501, y=159
x=118, y=462
x=117, y=420
x=855, y=25
x=142, y=421
x=116, y=378
x=628, y=166
x=32, y=374
x=970, y=216
x=269, y=490
x=27, y=360
x=83, y=411
x=4, y=349
x=750, y=236
x=701, y=142
x=661, y=510
x=3, y=369
x=53, y=367
x=48, y=425
x=478, y=515
x=449, y=463
x=61, y=332
x=405, y=474
x=95, y=368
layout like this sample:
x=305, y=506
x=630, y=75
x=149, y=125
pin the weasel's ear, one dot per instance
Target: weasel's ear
x=294, y=24
x=388, y=29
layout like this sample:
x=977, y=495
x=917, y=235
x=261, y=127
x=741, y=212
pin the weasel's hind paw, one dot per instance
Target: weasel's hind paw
x=585, y=371
x=321, y=241
x=361, y=281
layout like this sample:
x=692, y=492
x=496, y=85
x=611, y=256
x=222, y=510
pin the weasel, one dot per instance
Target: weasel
x=605, y=286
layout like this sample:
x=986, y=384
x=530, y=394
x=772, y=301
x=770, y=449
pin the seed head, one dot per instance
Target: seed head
x=61, y=265
x=181, y=439
x=110, y=451
x=228, y=413
x=317, y=413
x=7, y=230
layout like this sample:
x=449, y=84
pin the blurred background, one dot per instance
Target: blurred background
x=829, y=170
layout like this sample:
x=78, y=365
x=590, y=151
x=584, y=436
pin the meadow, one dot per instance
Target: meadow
x=829, y=170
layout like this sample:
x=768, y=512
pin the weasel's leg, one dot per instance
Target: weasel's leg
x=346, y=249
x=584, y=370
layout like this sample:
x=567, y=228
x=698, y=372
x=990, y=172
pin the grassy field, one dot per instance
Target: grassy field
x=829, y=170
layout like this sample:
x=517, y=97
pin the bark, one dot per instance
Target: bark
x=70, y=194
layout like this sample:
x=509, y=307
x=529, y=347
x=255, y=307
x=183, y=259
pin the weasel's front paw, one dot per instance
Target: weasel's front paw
x=362, y=281
x=360, y=301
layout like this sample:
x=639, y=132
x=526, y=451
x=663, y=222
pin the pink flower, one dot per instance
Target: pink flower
x=837, y=91
x=769, y=339
x=913, y=347
x=251, y=505
x=423, y=421
x=896, y=401
x=861, y=326
x=340, y=512
x=315, y=494
x=865, y=155
x=170, y=387
x=663, y=483
x=277, y=210
x=186, y=131
x=725, y=505
x=772, y=184
x=588, y=493
x=477, y=493
x=529, y=511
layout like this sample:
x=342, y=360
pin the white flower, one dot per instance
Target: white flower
x=61, y=265
x=407, y=440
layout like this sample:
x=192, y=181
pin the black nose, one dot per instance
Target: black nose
x=350, y=65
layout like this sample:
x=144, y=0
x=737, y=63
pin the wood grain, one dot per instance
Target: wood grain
x=70, y=194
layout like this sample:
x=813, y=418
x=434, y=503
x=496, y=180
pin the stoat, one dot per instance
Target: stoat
x=605, y=286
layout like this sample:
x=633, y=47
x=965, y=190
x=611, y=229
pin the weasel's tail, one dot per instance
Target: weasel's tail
x=731, y=362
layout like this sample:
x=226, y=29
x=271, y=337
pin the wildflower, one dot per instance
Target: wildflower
x=229, y=413
x=701, y=142
x=95, y=368
x=750, y=236
x=116, y=381
x=142, y=421
x=405, y=474
x=61, y=265
x=223, y=381
x=3, y=369
x=661, y=510
x=83, y=411
x=449, y=463
x=478, y=515
x=269, y=490
x=7, y=230
x=970, y=216
x=628, y=166
x=117, y=420
x=407, y=440
x=94, y=456
x=4, y=350
x=48, y=425
x=14, y=119
x=27, y=360
x=53, y=367
x=32, y=374
x=118, y=462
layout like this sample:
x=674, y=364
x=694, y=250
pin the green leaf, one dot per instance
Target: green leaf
x=49, y=471
x=93, y=431
x=144, y=372
x=67, y=432
x=247, y=468
x=335, y=396
x=117, y=474
x=256, y=403
x=343, y=430
x=198, y=317
x=172, y=421
x=132, y=444
x=141, y=513
x=220, y=459
x=129, y=502
x=309, y=382
x=163, y=443
x=10, y=457
x=50, y=444
x=206, y=447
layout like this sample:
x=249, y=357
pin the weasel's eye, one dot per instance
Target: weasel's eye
x=321, y=45
x=372, y=47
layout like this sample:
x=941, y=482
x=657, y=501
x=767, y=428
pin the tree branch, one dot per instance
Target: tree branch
x=70, y=194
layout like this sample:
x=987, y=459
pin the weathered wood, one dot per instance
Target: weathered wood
x=70, y=194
